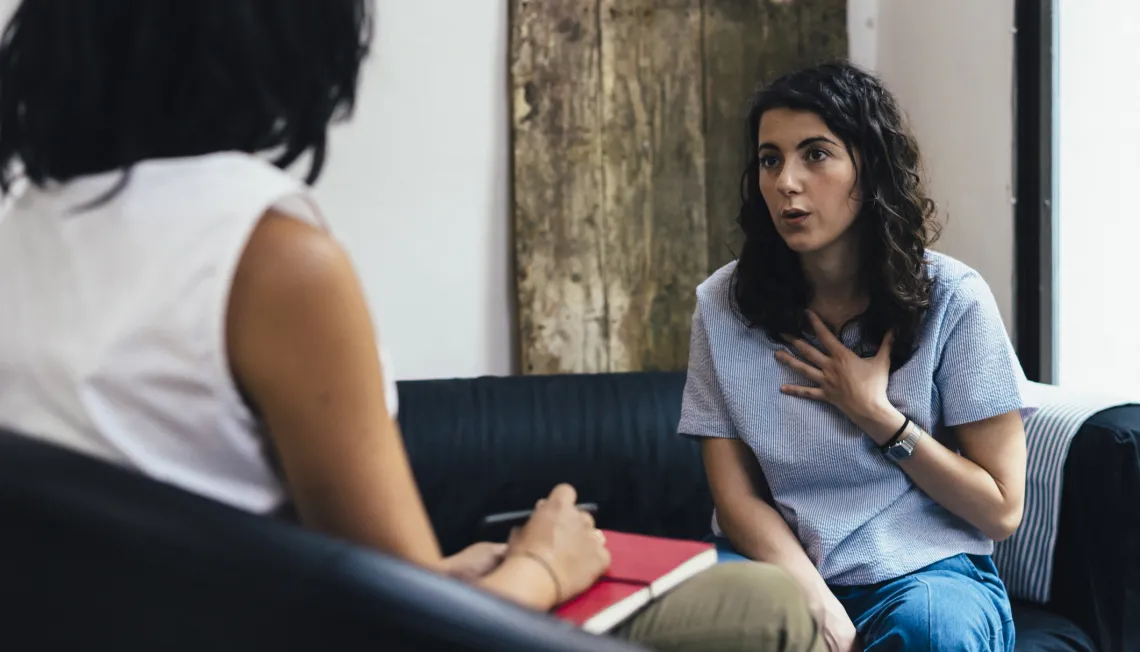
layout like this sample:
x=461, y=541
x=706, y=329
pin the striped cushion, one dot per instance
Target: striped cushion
x=1025, y=560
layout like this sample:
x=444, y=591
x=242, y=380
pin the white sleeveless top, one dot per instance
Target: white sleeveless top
x=112, y=334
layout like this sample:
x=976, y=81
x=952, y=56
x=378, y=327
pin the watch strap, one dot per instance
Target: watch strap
x=905, y=446
x=895, y=438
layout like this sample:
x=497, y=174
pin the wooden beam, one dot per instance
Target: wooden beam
x=556, y=129
x=653, y=160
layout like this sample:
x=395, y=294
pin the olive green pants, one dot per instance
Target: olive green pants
x=732, y=607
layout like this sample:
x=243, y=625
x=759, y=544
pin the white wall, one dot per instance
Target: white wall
x=416, y=187
x=1097, y=168
x=950, y=63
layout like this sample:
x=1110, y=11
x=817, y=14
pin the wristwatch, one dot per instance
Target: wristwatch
x=904, y=447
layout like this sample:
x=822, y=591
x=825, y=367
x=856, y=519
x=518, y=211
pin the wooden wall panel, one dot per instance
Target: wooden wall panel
x=653, y=164
x=556, y=127
x=628, y=147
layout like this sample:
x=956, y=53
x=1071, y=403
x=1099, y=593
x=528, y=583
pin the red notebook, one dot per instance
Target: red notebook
x=642, y=569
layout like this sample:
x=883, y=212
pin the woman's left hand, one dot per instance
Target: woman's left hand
x=855, y=385
x=475, y=561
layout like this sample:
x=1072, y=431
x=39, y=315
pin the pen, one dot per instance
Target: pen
x=524, y=514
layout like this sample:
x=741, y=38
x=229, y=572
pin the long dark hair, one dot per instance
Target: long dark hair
x=896, y=220
x=90, y=86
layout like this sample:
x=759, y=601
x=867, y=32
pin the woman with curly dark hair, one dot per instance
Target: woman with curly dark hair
x=856, y=394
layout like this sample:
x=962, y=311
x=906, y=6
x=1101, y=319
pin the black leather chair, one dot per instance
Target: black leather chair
x=96, y=557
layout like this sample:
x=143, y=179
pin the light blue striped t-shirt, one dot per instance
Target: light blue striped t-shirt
x=860, y=518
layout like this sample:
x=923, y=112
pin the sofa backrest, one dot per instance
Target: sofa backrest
x=491, y=444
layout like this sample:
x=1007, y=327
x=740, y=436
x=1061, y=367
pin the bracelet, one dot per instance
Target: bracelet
x=893, y=440
x=549, y=570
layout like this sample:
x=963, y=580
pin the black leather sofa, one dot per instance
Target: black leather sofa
x=93, y=557
x=614, y=437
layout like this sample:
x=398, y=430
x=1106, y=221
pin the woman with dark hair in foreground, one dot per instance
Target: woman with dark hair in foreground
x=856, y=394
x=173, y=294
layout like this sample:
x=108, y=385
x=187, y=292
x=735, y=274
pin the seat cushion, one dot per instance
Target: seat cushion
x=1039, y=630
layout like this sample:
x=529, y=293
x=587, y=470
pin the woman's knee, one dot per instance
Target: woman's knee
x=942, y=615
x=747, y=580
x=758, y=599
x=731, y=606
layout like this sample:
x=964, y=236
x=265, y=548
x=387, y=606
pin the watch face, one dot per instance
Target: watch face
x=905, y=446
x=898, y=452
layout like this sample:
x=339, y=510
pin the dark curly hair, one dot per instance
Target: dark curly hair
x=896, y=219
x=89, y=86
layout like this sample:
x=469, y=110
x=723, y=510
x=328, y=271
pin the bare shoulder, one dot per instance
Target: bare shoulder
x=295, y=306
x=287, y=259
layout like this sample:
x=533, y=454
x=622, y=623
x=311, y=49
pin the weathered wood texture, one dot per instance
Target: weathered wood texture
x=558, y=193
x=628, y=147
x=654, y=165
x=749, y=43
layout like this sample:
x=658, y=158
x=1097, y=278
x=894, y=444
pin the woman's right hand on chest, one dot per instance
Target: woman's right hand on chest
x=566, y=539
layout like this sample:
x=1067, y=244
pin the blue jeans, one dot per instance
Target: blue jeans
x=957, y=604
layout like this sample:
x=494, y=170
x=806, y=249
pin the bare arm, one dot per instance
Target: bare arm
x=985, y=485
x=755, y=528
x=758, y=531
x=302, y=347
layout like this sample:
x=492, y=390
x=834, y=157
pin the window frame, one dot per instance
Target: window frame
x=1034, y=174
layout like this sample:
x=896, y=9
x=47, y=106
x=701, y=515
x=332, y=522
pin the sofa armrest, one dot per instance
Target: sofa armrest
x=1096, y=579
